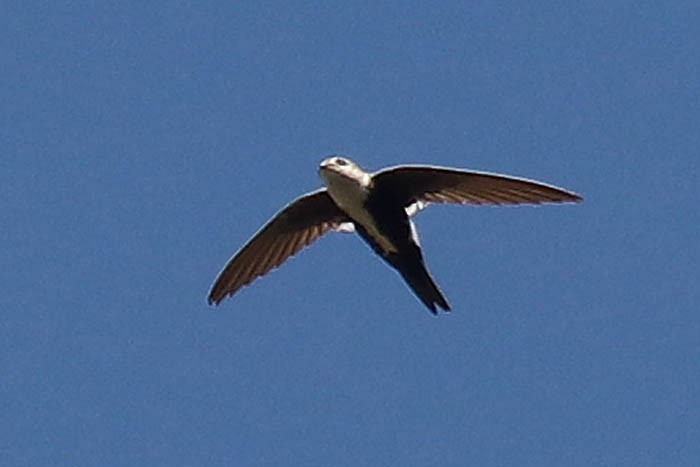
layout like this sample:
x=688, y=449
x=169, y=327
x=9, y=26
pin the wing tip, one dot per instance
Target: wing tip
x=568, y=196
x=214, y=298
x=561, y=196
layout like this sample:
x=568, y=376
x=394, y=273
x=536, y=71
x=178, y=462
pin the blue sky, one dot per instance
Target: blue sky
x=144, y=142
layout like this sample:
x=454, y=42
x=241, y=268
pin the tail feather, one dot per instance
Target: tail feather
x=418, y=278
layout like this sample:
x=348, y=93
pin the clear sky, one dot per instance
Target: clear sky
x=144, y=142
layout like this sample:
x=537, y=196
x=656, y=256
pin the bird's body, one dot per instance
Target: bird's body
x=378, y=206
x=384, y=224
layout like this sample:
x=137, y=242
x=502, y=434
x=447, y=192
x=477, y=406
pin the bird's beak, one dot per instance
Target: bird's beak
x=325, y=165
x=323, y=171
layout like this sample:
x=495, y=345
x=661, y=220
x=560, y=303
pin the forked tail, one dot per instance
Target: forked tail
x=418, y=278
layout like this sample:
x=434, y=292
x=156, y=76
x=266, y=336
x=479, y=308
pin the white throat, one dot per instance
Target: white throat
x=348, y=193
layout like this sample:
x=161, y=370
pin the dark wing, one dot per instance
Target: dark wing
x=409, y=184
x=294, y=227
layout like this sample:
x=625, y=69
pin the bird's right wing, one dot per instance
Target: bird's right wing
x=411, y=184
x=294, y=227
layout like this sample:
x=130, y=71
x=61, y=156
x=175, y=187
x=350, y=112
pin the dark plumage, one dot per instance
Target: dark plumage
x=379, y=207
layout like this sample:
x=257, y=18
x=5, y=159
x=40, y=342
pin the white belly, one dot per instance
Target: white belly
x=351, y=196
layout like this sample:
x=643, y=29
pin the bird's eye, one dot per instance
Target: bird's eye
x=341, y=161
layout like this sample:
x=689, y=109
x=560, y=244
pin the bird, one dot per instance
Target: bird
x=378, y=206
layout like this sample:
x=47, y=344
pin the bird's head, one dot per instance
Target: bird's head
x=339, y=169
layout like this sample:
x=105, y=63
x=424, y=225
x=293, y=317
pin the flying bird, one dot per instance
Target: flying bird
x=378, y=206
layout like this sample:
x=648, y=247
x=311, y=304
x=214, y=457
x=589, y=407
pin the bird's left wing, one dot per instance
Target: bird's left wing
x=294, y=227
x=410, y=184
